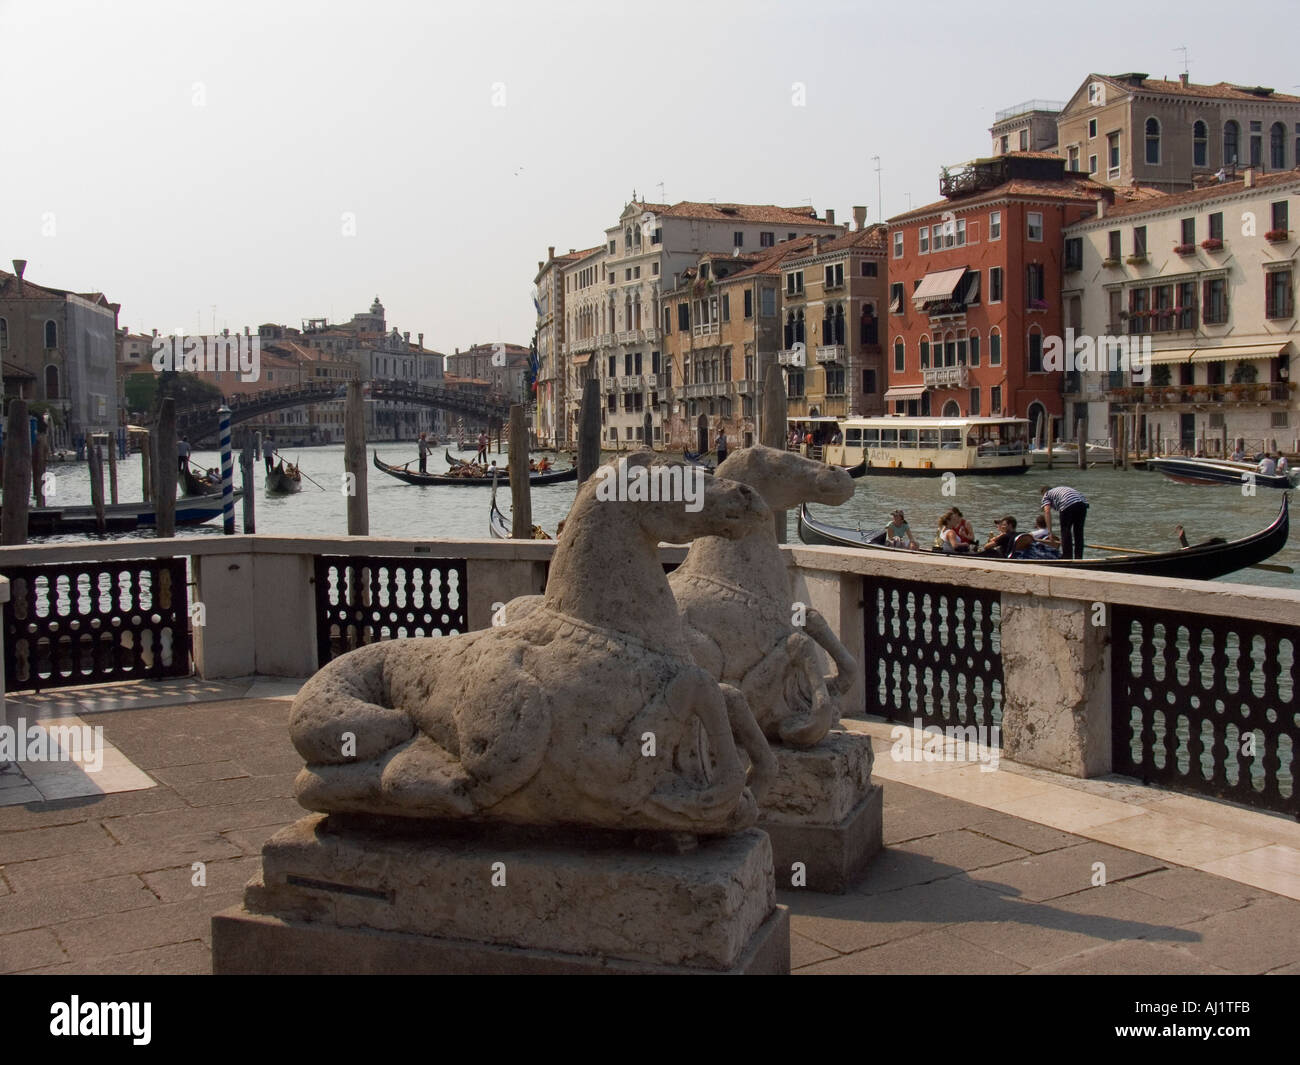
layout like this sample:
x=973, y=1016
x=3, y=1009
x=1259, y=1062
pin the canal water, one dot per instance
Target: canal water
x=1129, y=508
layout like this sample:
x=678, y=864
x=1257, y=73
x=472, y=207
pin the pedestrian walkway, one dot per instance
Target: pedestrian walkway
x=974, y=879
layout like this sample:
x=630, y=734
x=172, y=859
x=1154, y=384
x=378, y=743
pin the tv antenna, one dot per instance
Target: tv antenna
x=1183, y=48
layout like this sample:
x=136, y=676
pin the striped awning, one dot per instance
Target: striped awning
x=905, y=392
x=1240, y=351
x=938, y=285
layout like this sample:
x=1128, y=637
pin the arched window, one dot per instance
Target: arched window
x=1034, y=350
x=798, y=327
x=828, y=326
x=951, y=409
x=1200, y=144
x=839, y=324
x=789, y=330
x=1231, y=142
x=51, y=335
x=869, y=332
x=1036, y=413
x=1277, y=146
x=925, y=353
x=995, y=347
x=51, y=382
x=1153, y=141
x=4, y=336
x=974, y=348
x=900, y=355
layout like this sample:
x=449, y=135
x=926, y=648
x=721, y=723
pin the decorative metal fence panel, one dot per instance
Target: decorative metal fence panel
x=363, y=599
x=1207, y=704
x=91, y=622
x=933, y=652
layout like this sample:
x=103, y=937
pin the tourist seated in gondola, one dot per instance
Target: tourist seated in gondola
x=1003, y=541
x=899, y=534
x=949, y=542
x=1031, y=546
x=964, y=531
x=1043, y=534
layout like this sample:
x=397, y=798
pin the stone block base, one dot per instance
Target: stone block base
x=824, y=812
x=356, y=894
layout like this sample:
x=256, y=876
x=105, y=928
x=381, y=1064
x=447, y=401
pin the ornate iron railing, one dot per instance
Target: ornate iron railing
x=933, y=652
x=1206, y=703
x=364, y=599
x=94, y=622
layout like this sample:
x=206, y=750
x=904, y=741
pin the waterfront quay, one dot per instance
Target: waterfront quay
x=1058, y=860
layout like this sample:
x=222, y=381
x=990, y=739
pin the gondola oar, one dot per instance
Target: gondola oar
x=1138, y=551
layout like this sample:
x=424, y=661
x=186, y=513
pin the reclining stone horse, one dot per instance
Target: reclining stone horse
x=543, y=720
x=734, y=596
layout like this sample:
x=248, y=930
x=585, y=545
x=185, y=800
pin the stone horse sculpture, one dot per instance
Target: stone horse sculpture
x=734, y=596
x=585, y=707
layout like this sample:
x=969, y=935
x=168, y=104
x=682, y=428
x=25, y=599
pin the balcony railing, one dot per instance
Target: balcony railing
x=609, y=384
x=945, y=377
x=793, y=356
x=1266, y=392
x=651, y=334
x=943, y=310
x=704, y=329
x=746, y=388
x=627, y=336
x=830, y=353
x=630, y=381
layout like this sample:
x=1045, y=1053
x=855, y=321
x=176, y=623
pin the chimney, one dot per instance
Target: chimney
x=859, y=218
x=1182, y=79
x=1101, y=206
x=817, y=245
x=20, y=265
x=155, y=332
x=245, y=330
x=421, y=341
x=407, y=336
x=550, y=253
x=830, y=217
x=1248, y=178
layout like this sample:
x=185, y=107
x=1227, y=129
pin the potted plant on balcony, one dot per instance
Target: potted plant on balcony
x=1038, y=305
x=1212, y=244
x=1184, y=249
x=1136, y=259
x=1110, y=261
x=1276, y=236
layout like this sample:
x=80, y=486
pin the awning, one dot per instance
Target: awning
x=939, y=285
x=1175, y=355
x=582, y=360
x=905, y=392
x=1241, y=351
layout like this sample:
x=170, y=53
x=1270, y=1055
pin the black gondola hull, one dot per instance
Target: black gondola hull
x=407, y=477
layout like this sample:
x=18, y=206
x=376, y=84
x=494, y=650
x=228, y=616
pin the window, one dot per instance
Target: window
x=749, y=303
x=794, y=383
x=900, y=356
x=794, y=283
x=896, y=297
x=51, y=382
x=1034, y=291
x=1186, y=318
x=791, y=236
x=995, y=284
x=1278, y=302
x=995, y=225
x=668, y=320
x=1113, y=246
x=995, y=399
x=1256, y=145
x=974, y=349
x=683, y=316
x=1074, y=159
x=995, y=357
x=834, y=382
x=1035, y=219
x=835, y=275
x=972, y=294
x=4, y=336
x=1140, y=240
x=1004, y=145
x=1216, y=225
x=1200, y=144
x=1231, y=142
x=612, y=246
x=961, y=232
x=974, y=402
x=769, y=302
x=654, y=269
x=1074, y=253
x=1092, y=128
x=923, y=239
x=657, y=237
x=898, y=245
x=1092, y=164
x=627, y=239
x=726, y=306
x=925, y=353
x=766, y=240
x=1280, y=216
x=1024, y=140
x=868, y=268
x=1035, y=352
x=738, y=240
x=1214, y=302
x=869, y=382
x=1188, y=231
x=1153, y=141
x=51, y=335
x=1112, y=153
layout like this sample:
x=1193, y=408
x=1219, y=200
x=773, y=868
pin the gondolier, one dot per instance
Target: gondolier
x=1073, y=508
x=268, y=452
x=182, y=454
x=722, y=446
x=424, y=452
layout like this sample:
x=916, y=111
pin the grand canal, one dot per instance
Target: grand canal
x=1129, y=508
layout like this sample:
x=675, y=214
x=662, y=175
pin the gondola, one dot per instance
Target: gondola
x=283, y=479
x=121, y=517
x=1220, y=471
x=697, y=458
x=536, y=479
x=860, y=470
x=198, y=484
x=499, y=525
x=1204, y=561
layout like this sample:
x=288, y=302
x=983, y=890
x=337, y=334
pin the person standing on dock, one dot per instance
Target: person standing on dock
x=424, y=452
x=482, y=448
x=268, y=452
x=182, y=454
x=722, y=446
x=1073, y=508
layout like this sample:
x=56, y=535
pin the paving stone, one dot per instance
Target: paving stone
x=44, y=842
x=1038, y=839
x=1196, y=889
x=193, y=774
x=803, y=951
x=1253, y=939
x=29, y=949
x=1132, y=958
x=172, y=885
x=144, y=858
x=36, y=909
x=1063, y=872
x=894, y=868
x=1149, y=917
x=1286, y=970
x=241, y=790
x=171, y=824
x=933, y=952
x=96, y=938
x=177, y=959
x=249, y=840
x=963, y=850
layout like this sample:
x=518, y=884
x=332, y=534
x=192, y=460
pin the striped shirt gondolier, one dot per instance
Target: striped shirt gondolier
x=1061, y=498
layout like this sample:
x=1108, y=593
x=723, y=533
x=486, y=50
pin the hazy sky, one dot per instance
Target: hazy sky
x=179, y=156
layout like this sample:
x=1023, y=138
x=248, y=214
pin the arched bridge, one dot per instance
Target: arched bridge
x=199, y=423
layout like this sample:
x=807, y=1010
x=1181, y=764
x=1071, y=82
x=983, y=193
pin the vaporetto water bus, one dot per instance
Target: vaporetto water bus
x=932, y=446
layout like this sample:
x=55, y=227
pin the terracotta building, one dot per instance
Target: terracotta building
x=975, y=289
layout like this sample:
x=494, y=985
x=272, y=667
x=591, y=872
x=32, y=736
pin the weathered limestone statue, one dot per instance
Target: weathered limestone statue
x=544, y=719
x=734, y=596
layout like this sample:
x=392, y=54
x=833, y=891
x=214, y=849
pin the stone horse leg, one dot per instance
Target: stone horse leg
x=846, y=666
x=794, y=656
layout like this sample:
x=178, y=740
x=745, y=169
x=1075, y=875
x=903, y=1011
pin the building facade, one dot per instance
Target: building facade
x=1206, y=278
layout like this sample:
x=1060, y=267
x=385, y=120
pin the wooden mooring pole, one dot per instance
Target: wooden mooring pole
x=521, y=504
x=589, y=431
x=17, y=474
x=354, y=461
x=165, y=486
x=773, y=428
x=95, y=460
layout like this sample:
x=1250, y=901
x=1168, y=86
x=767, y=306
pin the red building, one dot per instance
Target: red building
x=975, y=288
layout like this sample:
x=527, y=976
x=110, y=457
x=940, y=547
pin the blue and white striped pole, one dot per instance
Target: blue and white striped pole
x=227, y=475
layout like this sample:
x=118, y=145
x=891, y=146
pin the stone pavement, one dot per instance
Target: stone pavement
x=106, y=883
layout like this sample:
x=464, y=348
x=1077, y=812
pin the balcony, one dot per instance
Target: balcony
x=627, y=336
x=796, y=356
x=608, y=384
x=945, y=377
x=1204, y=397
x=605, y=340
x=830, y=353
x=747, y=388
x=704, y=329
x=651, y=335
x=946, y=310
x=630, y=382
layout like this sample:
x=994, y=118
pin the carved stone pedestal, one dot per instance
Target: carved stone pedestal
x=365, y=895
x=824, y=812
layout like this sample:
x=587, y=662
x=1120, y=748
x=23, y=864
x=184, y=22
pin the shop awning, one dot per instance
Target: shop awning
x=1240, y=351
x=938, y=285
x=905, y=392
x=1174, y=355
